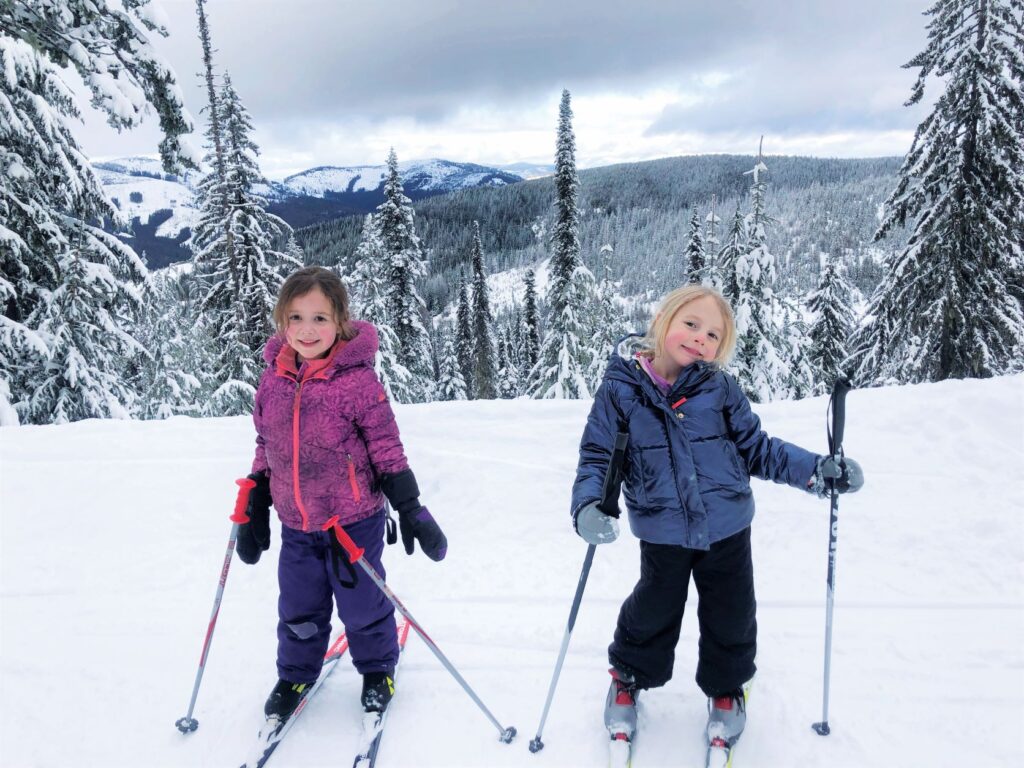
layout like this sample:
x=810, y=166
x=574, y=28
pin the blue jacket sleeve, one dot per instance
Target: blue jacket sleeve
x=765, y=457
x=596, y=447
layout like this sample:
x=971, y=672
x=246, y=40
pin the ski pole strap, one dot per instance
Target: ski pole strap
x=353, y=551
x=613, y=476
x=245, y=486
x=837, y=404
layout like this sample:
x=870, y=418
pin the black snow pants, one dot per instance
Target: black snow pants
x=650, y=619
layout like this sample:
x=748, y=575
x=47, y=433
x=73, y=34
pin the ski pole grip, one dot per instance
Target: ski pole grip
x=610, y=490
x=353, y=551
x=839, y=390
x=245, y=485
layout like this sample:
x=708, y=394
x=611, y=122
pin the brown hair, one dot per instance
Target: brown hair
x=307, y=279
x=676, y=300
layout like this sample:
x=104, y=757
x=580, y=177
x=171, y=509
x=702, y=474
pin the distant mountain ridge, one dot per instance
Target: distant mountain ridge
x=162, y=206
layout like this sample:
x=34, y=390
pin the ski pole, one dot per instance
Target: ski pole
x=355, y=556
x=187, y=724
x=610, y=506
x=837, y=403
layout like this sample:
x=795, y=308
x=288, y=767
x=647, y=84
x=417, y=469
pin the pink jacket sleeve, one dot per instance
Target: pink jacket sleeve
x=376, y=422
x=259, y=463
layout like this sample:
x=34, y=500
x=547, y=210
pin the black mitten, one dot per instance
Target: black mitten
x=254, y=536
x=414, y=520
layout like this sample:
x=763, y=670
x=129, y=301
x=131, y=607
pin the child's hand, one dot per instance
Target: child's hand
x=846, y=474
x=594, y=526
x=419, y=525
x=254, y=536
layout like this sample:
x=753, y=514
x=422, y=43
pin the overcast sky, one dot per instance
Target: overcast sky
x=333, y=82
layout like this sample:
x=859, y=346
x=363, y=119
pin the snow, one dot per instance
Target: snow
x=113, y=536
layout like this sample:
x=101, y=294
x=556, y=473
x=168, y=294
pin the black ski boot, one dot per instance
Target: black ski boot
x=284, y=699
x=378, y=688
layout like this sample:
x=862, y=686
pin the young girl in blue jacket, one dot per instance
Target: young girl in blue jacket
x=693, y=445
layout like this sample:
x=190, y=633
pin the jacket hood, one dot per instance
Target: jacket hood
x=621, y=367
x=360, y=350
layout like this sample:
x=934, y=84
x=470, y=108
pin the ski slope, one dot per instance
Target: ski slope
x=112, y=536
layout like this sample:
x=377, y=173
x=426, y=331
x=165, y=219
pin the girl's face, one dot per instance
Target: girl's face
x=695, y=333
x=311, y=328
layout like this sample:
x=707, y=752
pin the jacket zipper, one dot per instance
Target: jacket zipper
x=352, y=477
x=295, y=458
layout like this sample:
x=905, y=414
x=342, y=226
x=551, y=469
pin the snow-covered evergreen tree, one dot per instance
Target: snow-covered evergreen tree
x=450, y=385
x=832, y=326
x=531, y=323
x=370, y=289
x=50, y=197
x=83, y=374
x=508, y=383
x=562, y=363
x=234, y=243
x=484, y=367
x=951, y=302
x=607, y=321
x=464, y=336
x=797, y=353
x=405, y=265
x=760, y=359
x=712, y=246
x=696, y=262
x=735, y=246
x=171, y=389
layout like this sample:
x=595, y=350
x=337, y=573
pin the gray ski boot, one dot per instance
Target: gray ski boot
x=620, y=706
x=726, y=717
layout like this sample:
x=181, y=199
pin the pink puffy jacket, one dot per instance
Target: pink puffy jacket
x=326, y=432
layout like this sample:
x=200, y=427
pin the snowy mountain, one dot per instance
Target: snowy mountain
x=928, y=644
x=162, y=210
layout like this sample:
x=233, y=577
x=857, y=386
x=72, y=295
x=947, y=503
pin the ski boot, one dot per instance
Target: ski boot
x=284, y=699
x=727, y=715
x=620, y=716
x=378, y=688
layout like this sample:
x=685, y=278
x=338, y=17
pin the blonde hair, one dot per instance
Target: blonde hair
x=307, y=279
x=671, y=303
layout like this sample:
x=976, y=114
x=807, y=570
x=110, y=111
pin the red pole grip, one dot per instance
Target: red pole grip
x=245, y=485
x=354, y=552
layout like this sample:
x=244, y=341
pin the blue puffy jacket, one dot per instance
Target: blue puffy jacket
x=687, y=469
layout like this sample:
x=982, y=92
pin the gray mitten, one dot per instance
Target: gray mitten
x=845, y=474
x=594, y=526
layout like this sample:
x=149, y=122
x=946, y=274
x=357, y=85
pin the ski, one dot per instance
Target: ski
x=719, y=754
x=373, y=722
x=620, y=754
x=274, y=730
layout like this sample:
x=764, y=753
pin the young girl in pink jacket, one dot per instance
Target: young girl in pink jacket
x=327, y=446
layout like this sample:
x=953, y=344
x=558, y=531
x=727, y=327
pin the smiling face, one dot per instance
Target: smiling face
x=694, y=333
x=310, y=326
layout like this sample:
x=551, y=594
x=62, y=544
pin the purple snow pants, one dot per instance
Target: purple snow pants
x=309, y=574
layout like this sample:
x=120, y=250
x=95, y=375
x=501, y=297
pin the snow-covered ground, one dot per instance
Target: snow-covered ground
x=112, y=536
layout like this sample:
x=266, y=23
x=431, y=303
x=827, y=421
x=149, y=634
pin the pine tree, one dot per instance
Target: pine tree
x=484, y=369
x=735, y=245
x=464, y=336
x=832, y=325
x=507, y=377
x=450, y=385
x=951, y=302
x=234, y=247
x=712, y=246
x=82, y=376
x=370, y=303
x=171, y=389
x=50, y=197
x=696, y=266
x=607, y=321
x=404, y=266
x=800, y=369
x=531, y=323
x=760, y=359
x=560, y=371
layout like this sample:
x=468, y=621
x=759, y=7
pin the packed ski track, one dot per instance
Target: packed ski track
x=112, y=536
